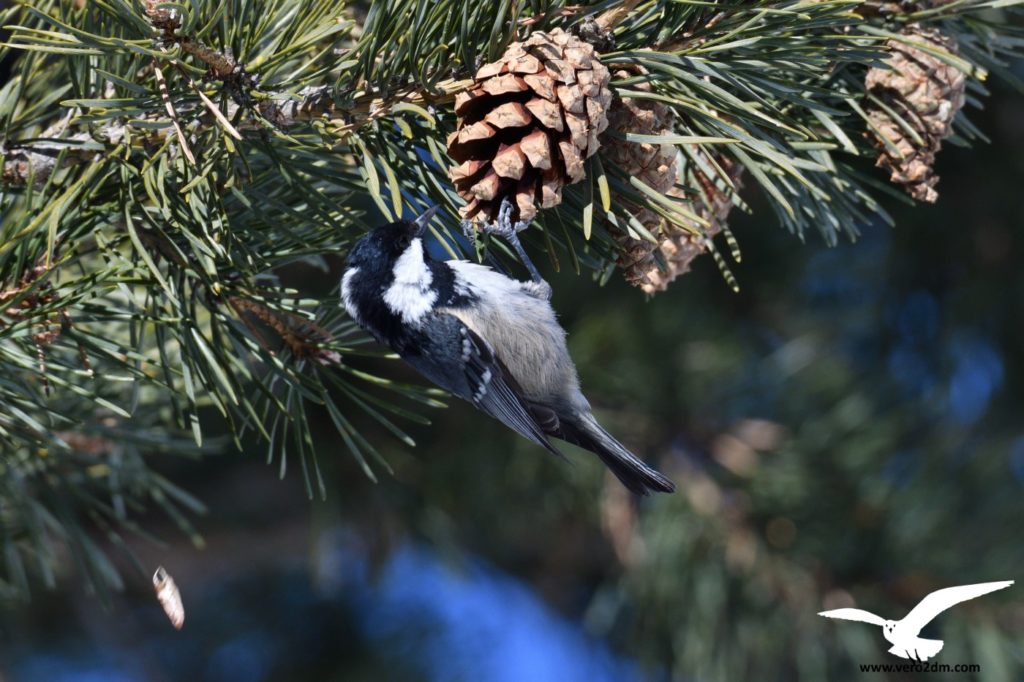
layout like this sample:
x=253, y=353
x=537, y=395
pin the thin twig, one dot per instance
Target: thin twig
x=166, y=21
x=303, y=337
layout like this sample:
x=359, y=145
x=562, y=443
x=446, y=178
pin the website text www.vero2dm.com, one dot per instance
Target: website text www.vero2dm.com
x=920, y=667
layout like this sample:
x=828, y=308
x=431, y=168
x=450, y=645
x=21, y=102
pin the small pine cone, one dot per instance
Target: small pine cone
x=712, y=202
x=654, y=164
x=636, y=256
x=926, y=93
x=527, y=125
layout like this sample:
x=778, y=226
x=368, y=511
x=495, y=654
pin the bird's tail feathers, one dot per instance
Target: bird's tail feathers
x=627, y=467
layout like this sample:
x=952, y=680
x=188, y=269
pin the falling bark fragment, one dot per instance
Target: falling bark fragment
x=509, y=115
x=169, y=597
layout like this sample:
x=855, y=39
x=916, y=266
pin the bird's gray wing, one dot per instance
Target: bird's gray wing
x=854, y=614
x=940, y=600
x=458, y=360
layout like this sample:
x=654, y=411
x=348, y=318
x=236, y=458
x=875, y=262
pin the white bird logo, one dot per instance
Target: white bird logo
x=903, y=634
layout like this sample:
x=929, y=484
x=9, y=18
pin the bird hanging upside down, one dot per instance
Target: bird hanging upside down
x=485, y=337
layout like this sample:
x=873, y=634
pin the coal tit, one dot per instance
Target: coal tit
x=483, y=336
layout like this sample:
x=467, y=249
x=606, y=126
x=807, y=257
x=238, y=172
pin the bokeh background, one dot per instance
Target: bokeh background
x=847, y=430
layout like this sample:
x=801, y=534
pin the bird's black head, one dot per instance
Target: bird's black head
x=382, y=246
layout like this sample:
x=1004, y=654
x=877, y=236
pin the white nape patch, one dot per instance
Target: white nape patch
x=410, y=296
x=461, y=286
x=480, y=280
x=346, y=293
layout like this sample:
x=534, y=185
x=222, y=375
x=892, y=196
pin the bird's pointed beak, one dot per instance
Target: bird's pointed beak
x=423, y=221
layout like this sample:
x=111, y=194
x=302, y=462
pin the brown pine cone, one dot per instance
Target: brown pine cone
x=527, y=125
x=710, y=199
x=926, y=93
x=654, y=164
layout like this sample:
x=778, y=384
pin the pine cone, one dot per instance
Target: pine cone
x=926, y=93
x=654, y=164
x=658, y=166
x=711, y=199
x=527, y=125
x=713, y=203
x=636, y=256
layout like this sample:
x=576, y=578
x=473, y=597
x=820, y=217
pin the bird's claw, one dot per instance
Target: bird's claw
x=504, y=227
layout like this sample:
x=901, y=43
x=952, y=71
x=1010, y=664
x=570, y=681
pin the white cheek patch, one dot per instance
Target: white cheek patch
x=410, y=268
x=410, y=296
x=346, y=293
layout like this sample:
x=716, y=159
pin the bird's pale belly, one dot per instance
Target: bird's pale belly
x=524, y=350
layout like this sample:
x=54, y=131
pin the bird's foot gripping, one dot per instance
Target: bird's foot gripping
x=504, y=227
